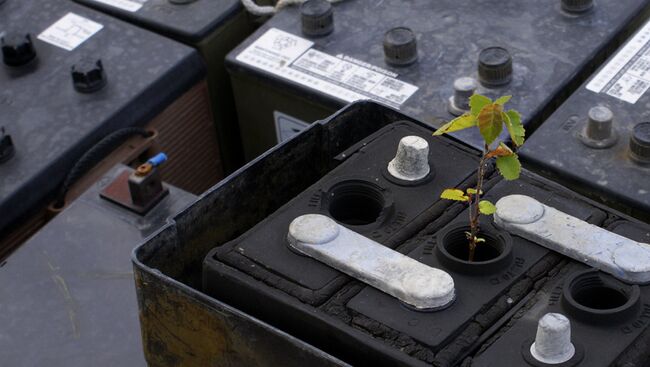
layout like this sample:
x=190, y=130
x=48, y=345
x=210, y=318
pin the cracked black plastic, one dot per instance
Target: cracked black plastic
x=478, y=284
x=365, y=326
x=356, y=194
x=168, y=266
x=609, y=319
x=606, y=316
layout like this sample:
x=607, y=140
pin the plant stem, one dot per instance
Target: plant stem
x=473, y=206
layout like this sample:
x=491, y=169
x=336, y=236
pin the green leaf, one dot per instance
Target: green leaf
x=490, y=122
x=459, y=123
x=477, y=102
x=454, y=194
x=515, y=128
x=509, y=167
x=486, y=207
x=479, y=239
x=473, y=191
x=502, y=100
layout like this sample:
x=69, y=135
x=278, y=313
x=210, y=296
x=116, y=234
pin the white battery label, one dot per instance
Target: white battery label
x=287, y=126
x=128, y=5
x=627, y=75
x=295, y=59
x=70, y=31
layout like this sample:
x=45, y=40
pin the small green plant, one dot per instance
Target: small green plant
x=490, y=117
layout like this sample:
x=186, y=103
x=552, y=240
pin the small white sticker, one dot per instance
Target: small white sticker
x=293, y=58
x=287, y=126
x=70, y=31
x=128, y=5
x=627, y=75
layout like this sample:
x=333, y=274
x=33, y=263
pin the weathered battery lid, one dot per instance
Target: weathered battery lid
x=598, y=140
x=550, y=49
x=68, y=296
x=51, y=124
x=187, y=21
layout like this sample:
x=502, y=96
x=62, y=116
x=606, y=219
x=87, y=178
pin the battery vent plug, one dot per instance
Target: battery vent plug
x=400, y=47
x=17, y=50
x=317, y=18
x=88, y=75
x=494, y=67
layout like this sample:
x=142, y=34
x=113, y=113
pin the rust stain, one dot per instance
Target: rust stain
x=180, y=333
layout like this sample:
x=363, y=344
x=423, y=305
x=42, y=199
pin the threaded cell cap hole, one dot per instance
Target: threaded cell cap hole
x=356, y=203
x=490, y=256
x=596, y=297
x=457, y=246
x=600, y=298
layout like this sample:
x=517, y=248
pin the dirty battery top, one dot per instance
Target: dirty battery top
x=74, y=301
x=537, y=51
x=598, y=141
x=120, y=73
x=188, y=21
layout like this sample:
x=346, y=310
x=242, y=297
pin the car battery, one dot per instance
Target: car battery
x=423, y=58
x=363, y=325
x=213, y=28
x=169, y=280
x=68, y=297
x=75, y=84
x=607, y=319
x=360, y=193
x=598, y=141
x=168, y=265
